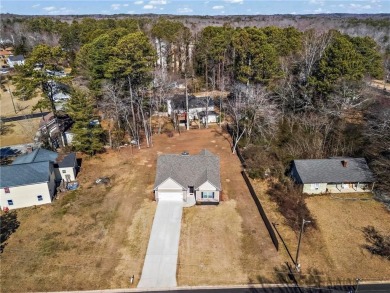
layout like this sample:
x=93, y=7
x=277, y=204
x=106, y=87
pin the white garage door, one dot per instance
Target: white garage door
x=172, y=195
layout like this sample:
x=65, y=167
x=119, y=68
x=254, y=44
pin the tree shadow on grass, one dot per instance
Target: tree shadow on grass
x=9, y=224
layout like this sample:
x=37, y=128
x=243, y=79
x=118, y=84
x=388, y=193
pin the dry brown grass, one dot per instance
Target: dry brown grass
x=20, y=132
x=334, y=251
x=22, y=107
x=215, y=257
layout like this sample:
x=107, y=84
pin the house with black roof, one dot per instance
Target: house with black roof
x=188, y=178
x=333, y=175
x=177, y=105
x=32, y=178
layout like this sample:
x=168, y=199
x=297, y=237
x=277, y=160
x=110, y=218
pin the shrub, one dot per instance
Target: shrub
x=291, y=204
x=261, y=163
x=379, y=243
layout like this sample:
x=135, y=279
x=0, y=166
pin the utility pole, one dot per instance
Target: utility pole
x=187, y=116
x=297, y=265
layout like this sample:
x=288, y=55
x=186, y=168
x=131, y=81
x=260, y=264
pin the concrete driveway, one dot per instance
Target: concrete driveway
x=159, y=270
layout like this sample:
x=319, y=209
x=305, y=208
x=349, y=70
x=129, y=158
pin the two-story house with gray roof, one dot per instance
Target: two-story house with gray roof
x=27, y=184
x=32, y=178
x=333, y=175
x=188, y=178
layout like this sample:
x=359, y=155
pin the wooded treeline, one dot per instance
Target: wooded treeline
x=293, y=94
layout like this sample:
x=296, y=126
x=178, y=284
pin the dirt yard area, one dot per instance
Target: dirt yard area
x=19, y=132
x=97, y=236
x=334, y=253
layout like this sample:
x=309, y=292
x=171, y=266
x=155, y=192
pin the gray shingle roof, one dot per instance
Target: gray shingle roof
x=332, y=170
x=38, y=155
x=68, y=161
x=24, y=174
x=189, y=170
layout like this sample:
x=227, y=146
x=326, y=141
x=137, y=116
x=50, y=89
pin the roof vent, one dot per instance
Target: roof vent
x=344, y=163
x=185, y=153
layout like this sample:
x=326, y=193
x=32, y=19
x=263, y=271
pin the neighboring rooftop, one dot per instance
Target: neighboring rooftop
x=16, y=58
x=189, y=170
x=68, y=161
x=38, y=155
x=333, y=170
x=24, y=174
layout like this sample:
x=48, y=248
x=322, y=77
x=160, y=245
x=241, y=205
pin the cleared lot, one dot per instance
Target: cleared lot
x=97, y=237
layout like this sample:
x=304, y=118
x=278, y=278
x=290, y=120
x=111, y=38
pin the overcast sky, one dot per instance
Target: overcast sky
x=193, y=7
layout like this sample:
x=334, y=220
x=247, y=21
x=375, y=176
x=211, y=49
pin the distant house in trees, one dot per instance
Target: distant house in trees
x=177, y=105
x=15, y=60
x=333, y=175
x=32, y=178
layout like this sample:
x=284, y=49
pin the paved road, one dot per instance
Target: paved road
x=278, y=288
x=23, y=117
x=159, y=269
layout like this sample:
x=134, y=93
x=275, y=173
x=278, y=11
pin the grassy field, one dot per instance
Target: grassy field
x=334, y=252
x=20, y=132
x=21, y=107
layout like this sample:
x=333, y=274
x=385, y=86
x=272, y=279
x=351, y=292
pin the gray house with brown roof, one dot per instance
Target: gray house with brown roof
x=189, y=178
x=333, y=175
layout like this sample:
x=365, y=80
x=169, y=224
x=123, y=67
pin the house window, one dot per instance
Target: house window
x=6, y=190
x=315, y=186
x=63, y=171
x=40, y=197
x=207, y=194
x=10, y=202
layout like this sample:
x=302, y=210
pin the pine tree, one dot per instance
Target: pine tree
x=87, y=135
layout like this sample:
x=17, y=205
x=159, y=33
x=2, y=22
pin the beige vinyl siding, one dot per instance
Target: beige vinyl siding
x=27, y=195
x=169, y=185
x=207, y=187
